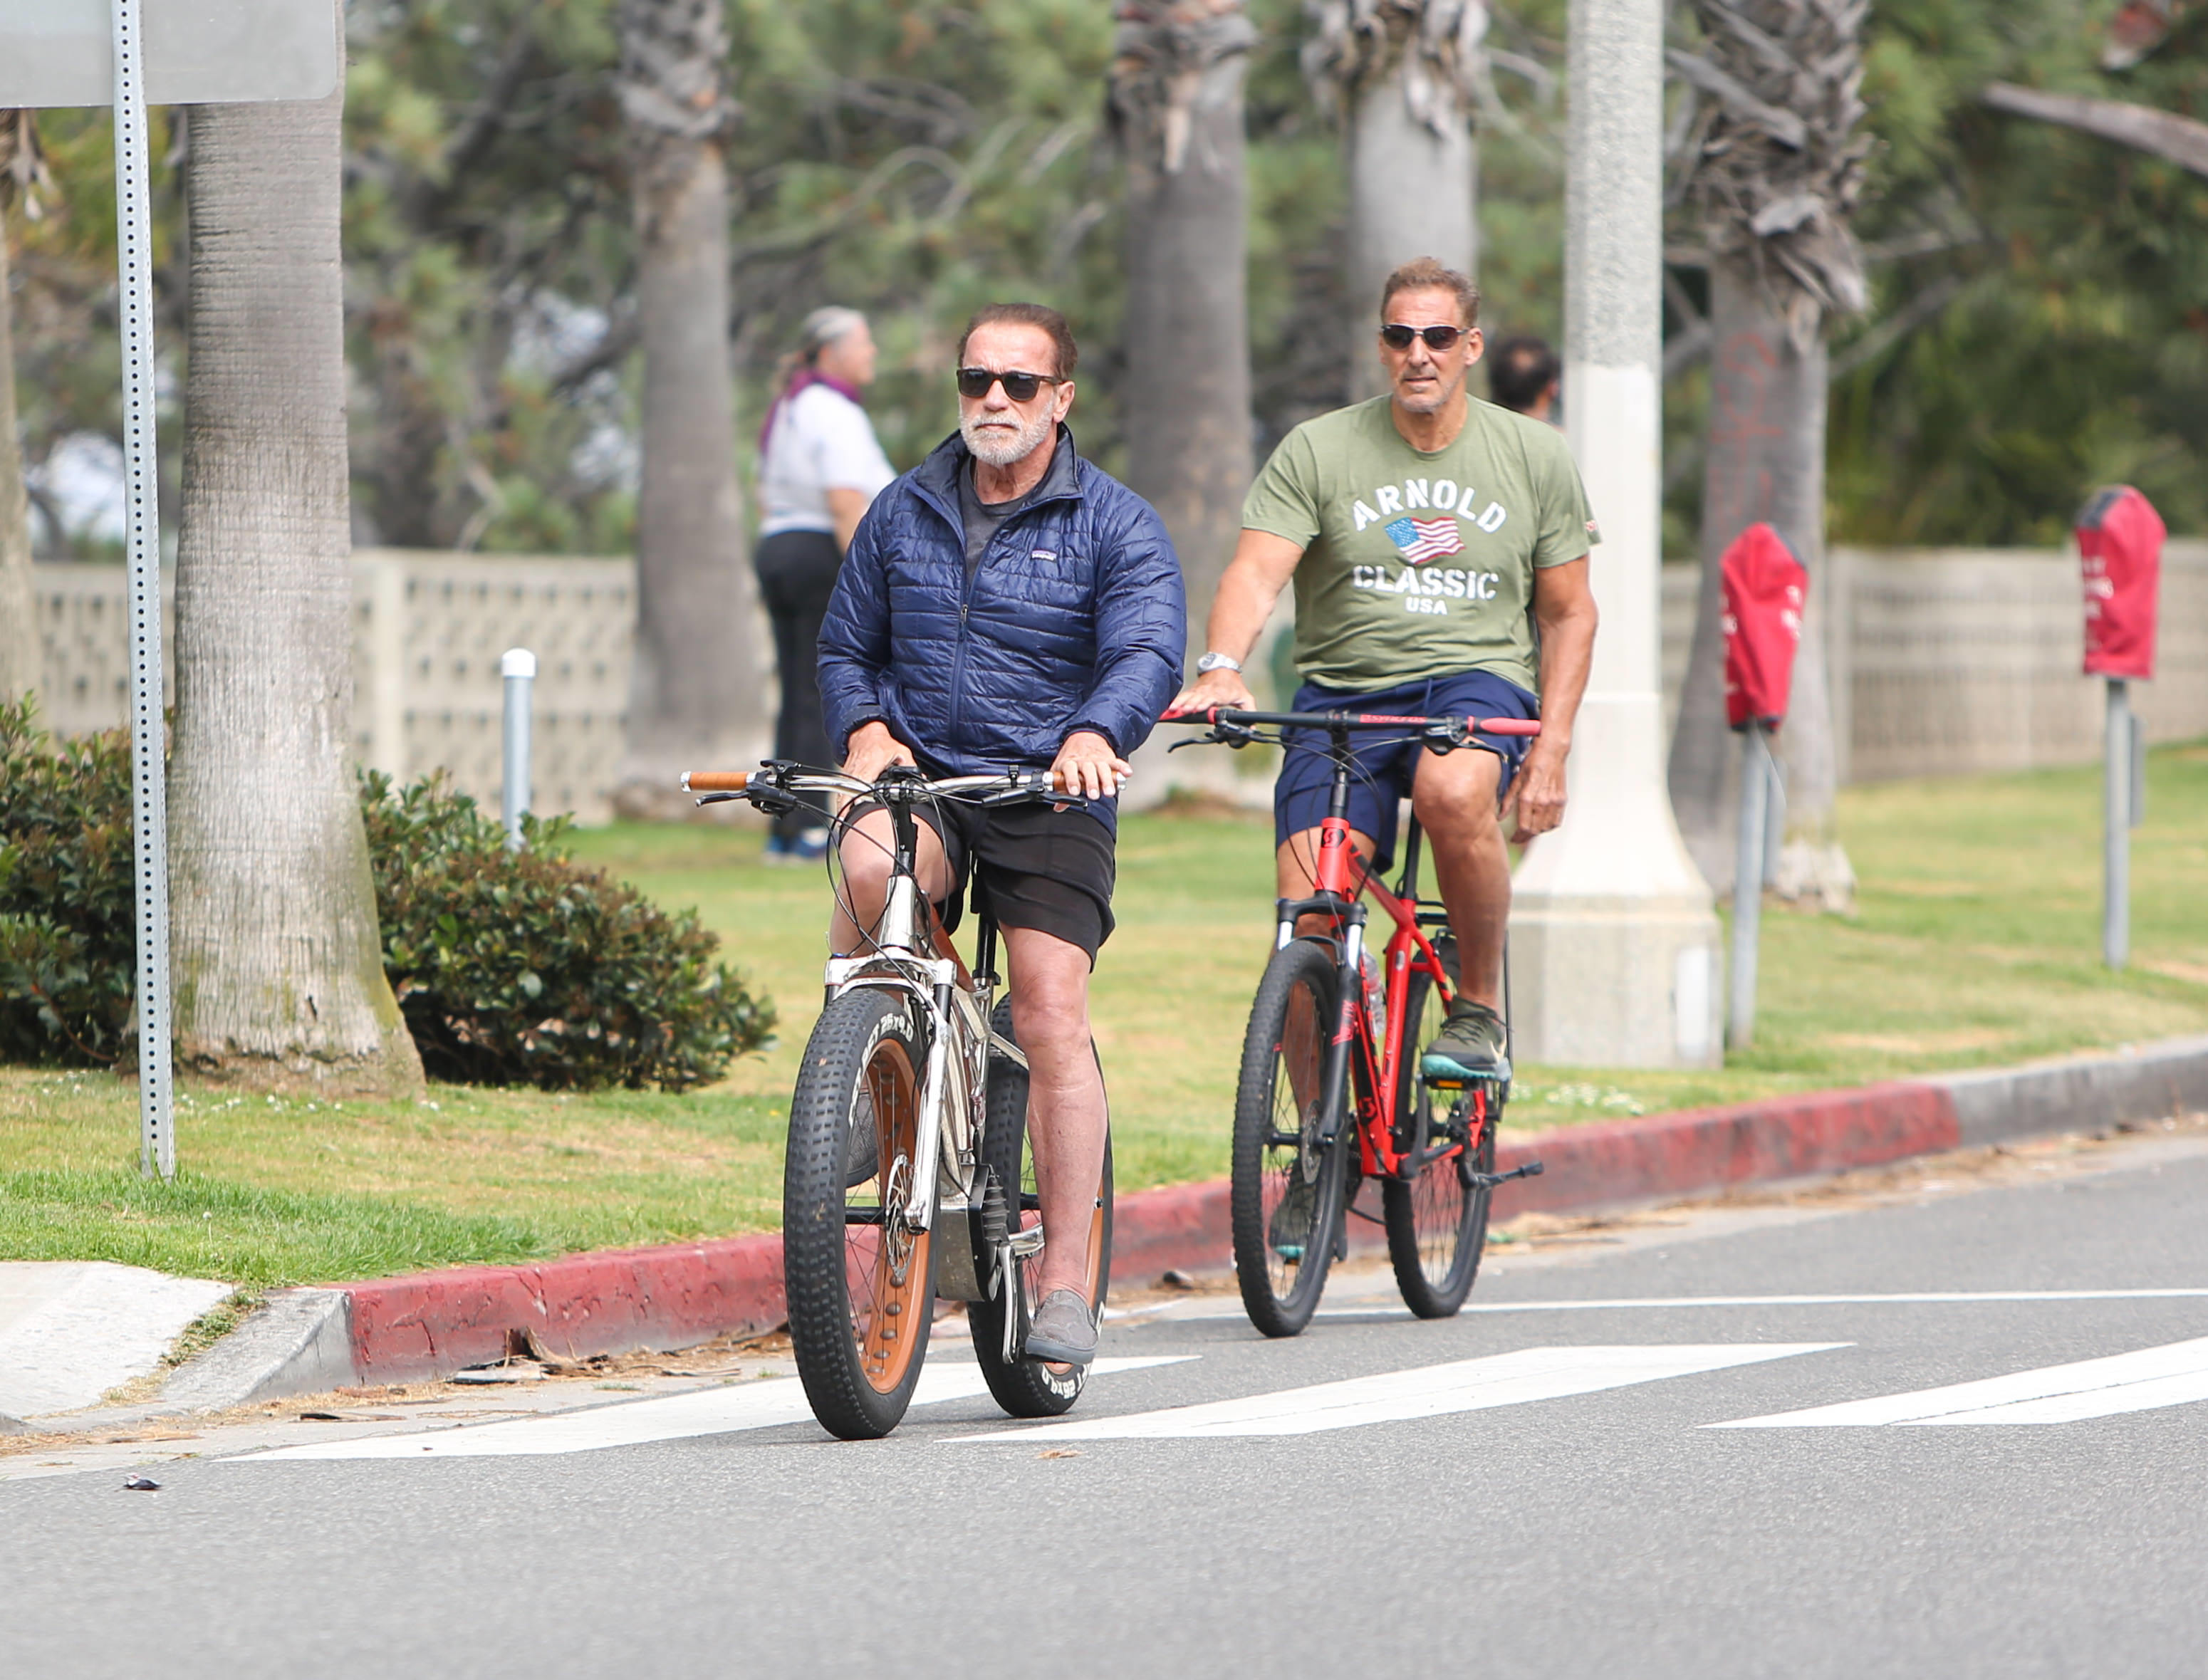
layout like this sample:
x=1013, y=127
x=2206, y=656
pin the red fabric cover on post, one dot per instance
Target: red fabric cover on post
x=2120, y=544
x=1764, y=590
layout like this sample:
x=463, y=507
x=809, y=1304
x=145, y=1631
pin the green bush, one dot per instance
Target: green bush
x=527, y=968
x=511, y=968
x=68, y=946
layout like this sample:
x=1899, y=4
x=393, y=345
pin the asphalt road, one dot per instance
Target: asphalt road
x=1529, y=1490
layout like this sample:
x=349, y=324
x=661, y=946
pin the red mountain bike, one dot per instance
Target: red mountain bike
x=1328, y=1096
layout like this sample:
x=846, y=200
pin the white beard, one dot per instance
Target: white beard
x=993, y=444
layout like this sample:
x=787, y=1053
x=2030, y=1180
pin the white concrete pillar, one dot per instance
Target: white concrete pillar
x=1614, y=949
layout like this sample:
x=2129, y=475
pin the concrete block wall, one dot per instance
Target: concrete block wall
x=1956, y=661
x=1946, y=662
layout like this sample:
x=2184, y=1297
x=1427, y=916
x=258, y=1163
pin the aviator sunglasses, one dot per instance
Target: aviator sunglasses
x=974, y=383
x=1398, y=337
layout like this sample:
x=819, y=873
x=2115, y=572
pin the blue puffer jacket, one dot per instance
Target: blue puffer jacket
x=1075, y=620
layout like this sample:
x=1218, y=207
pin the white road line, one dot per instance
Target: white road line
x=1927, y=1297
x=762, y=1405
x=1430, y=1391
x=1382, y=1309
x=2173, y=1375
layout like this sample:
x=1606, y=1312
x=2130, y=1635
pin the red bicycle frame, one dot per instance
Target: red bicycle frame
x=1341, y=878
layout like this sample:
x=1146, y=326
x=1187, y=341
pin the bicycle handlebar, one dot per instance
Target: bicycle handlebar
x=1036, y=783
x=1355, y=720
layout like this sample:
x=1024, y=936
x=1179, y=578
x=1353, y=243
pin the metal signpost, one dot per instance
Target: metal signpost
x=2123, y=787
x=86, y=53
x=1759, y=783
x=141, y=502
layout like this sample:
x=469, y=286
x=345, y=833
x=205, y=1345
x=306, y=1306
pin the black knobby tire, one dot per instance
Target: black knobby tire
x=1438, y=1222
x=1027, y=1388
x=1287, y=1186
x=860, y=1296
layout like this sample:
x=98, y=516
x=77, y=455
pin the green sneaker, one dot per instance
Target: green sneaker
x=1471, y=1044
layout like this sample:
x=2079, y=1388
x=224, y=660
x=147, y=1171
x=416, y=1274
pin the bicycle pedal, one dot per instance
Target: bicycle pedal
x=1498, y=1077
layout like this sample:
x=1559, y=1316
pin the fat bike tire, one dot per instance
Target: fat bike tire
x=1437, y=1221
x=1288, y=1185
x=1026, y=1388
x=861, y=1295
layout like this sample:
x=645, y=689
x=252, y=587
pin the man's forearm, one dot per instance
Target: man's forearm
x=1566, y=655
x=1240, y=611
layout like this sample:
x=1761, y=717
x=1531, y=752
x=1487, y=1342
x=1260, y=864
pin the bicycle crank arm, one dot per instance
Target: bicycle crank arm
x=1531, y=1169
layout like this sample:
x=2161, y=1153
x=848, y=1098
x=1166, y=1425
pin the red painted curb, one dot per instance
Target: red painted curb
x=1699, y=1150
x=432, y=1323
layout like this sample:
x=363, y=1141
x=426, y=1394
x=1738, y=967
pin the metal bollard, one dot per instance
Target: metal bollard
x=1757, y=781
x=518, y=667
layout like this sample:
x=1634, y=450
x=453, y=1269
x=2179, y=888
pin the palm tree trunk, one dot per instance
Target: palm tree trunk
x=1766, y=463
x=698, y=695
x=1177, y=103
x=19, y=623
x=1413, y=192
x=278, y=963
x=1401, y=74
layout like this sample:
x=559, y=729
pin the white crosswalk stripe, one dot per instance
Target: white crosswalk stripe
x=763, y=1405
x=2174, y=1375
x=1430, y=1391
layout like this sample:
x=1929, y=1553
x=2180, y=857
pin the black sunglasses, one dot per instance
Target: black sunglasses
x=1398, y=337
x=974, y=382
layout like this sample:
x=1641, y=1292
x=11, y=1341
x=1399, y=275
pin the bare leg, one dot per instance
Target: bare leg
x=1065, y=1097
x=1453, y=796
x=867, y=850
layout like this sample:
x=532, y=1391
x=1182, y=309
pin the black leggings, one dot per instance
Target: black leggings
x=797, y=574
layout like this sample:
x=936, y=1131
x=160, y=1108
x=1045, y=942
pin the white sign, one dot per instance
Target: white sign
x=62, y=52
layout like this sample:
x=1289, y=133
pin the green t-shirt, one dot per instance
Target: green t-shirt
x=1419, y=565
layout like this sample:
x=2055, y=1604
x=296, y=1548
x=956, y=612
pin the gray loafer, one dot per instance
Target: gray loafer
x=1063, y=1332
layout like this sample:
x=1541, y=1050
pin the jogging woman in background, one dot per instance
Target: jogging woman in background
x=820, y=467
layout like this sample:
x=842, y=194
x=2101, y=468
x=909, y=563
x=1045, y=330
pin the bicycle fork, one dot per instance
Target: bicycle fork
x=1333, y=1077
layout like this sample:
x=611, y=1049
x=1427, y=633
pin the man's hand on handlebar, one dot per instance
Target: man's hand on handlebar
x=1087, y=766
x=1215, y=688
x=871, y=749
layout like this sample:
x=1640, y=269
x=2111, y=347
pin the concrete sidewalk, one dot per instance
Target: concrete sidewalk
x=71, y=1330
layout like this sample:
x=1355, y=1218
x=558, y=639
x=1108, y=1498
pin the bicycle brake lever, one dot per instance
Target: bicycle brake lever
x=1220, y=734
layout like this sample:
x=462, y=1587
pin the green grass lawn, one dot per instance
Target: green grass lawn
x=1976, y=944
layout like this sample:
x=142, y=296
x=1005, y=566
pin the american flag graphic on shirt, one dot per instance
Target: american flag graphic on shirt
x=1422, y=540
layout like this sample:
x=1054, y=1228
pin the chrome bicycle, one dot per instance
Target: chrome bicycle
x=909, y=1177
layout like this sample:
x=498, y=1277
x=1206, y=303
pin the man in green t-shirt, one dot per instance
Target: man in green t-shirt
x=1428, y=535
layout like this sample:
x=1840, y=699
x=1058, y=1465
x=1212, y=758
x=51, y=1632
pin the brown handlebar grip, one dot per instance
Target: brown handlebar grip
x=715, y=781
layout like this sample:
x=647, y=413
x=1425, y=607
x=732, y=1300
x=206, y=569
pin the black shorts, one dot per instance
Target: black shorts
x=1030, y=867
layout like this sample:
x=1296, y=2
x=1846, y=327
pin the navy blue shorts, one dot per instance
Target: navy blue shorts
x=1385, y=763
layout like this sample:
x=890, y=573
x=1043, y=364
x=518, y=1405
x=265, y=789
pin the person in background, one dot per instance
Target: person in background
x=819, y=468
x=1523, y=375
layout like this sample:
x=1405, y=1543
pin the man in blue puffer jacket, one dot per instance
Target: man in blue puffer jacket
x=1006, y=605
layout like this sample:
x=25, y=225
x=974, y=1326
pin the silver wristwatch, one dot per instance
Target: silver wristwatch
x=1217, y=662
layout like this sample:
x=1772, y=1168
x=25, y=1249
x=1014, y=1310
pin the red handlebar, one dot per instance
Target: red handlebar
x=1355, y=720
